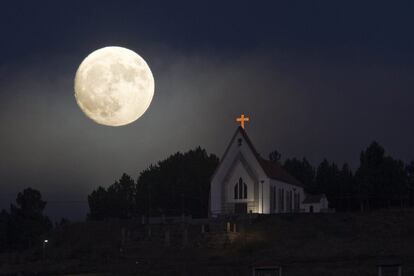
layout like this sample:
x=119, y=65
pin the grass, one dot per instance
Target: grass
x=304, y=244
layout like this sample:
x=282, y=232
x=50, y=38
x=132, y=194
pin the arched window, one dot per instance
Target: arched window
x=236, y=191
x=240, y=190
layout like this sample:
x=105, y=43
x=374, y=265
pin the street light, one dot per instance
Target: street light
x=45, y=242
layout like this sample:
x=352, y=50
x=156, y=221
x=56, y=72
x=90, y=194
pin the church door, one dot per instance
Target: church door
x=240, y=208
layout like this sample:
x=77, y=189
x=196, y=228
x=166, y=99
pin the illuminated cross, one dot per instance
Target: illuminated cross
x=242, y=119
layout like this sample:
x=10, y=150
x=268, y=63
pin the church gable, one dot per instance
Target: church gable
x=238, y=161
x=240, y=148
x=240, y=143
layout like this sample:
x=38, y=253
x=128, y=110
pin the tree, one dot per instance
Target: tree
x=180, y=183
x=302, y=170
x=323, y=177
x=382, y=180
x=409, y=170
x=30, y=203
x=327, y=180
x=4, y=233
x=118, y=201
x=368, y=174
x=121, y=197
x=395, y=188
x=346, y=189
x=98, y=204
x=27, y=222
x=275, y=156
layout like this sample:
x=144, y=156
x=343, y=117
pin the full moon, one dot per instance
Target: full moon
x=114, y=86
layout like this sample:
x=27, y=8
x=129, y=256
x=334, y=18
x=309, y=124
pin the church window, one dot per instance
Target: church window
x=289, y=201
x=281, y=200
x=274, y=198
x=240, y=190
x=297, y=202
x=236, y=191
x=271, y=198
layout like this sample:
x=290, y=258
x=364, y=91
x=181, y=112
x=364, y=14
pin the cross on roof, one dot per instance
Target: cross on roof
x=242, y=119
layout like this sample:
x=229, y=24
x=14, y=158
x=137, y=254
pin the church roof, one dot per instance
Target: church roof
x=275, y=171
x=313, y=198
x=272, y=169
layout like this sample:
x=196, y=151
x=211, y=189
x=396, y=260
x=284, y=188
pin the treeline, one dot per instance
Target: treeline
x=24, y=224
x=180, y=184
x=380, y=181
x=176, y=185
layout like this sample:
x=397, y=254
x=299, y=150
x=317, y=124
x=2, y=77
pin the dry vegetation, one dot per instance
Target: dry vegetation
x=308, y=244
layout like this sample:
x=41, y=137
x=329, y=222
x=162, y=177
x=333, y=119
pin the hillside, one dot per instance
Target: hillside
x=305, y=244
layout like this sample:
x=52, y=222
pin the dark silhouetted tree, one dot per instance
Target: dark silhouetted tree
x=409, y=170
x=327, y=181
x=4, y=230
x=27, y=222
x=121, y=197
x=275, y=156
x=368, y=175
x=98, y=204
x=180, y=183
x=346, y=189
x=302, y=170
x=118, y=201
x=381, y=180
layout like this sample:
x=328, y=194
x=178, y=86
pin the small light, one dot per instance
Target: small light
x=46, y=241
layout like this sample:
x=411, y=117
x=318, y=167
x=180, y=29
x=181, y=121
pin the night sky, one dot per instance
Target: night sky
x=318, y=79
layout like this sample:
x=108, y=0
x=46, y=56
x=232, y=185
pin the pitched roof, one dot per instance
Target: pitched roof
x=313, y=198
x=275, y=171
x=272, y=169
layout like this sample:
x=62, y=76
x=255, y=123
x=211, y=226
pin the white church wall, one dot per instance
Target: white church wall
x=324, y=203
x=308, y=206
x=321, y=206
x=235, y=150
x=239, y=171
x=286, y=187
x=264, y=199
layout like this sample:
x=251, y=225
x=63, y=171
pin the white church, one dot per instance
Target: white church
x=244, y=182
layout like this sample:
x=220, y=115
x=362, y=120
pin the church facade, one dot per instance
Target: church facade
x=244, y=182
